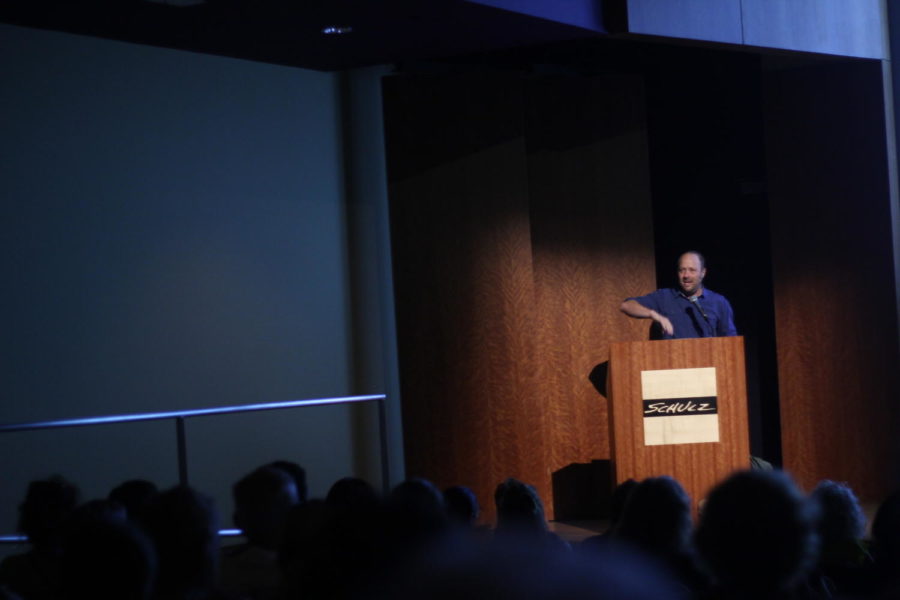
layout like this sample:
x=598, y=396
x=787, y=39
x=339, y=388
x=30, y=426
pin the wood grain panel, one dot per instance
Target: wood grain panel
x=589, y=199
x=515, y=235
x=833, y=277
x=464, y=284
x=697, y=466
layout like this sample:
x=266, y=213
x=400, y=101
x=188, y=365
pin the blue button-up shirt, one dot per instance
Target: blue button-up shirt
x=687, y=319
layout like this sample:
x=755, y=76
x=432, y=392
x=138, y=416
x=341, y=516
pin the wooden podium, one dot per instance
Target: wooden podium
x=678, y=408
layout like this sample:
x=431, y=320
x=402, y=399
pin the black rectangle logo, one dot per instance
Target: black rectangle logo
x=680, y=407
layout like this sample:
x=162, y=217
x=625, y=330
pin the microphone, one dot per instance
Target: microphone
x=696, y=302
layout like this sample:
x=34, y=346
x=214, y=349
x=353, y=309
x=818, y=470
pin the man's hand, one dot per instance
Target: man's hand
x=633, y=308
x=664, y=322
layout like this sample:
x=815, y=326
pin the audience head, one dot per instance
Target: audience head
x=298, y=473
x=509, y=568
x=656, y=518
x=418, y=503
x=619, y=498
x=134, y=496
x=106, y=557
x=262, y=500
x=841, y=518
x=462, y=505
x=353, y=494
x=519, y=508
x=756, y=537
x=756, y=533
x=303, y=530
x=415, y=517
x=48, y=504
x=307, y=550
x=886, y=534
x=184, y=527
x=95, y=511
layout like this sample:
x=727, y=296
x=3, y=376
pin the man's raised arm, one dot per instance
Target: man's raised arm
x=635, y=309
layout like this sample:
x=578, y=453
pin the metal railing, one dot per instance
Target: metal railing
x=181, y=415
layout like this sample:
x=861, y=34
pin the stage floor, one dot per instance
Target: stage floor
x=575, y=532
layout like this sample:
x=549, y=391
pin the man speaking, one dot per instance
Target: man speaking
x=689, y=311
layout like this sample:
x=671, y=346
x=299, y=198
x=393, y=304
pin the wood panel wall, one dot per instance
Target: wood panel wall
x=592, y=243
x=520, y=219
x=835, y=304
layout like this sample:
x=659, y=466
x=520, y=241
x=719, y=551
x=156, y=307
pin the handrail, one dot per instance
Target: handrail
x=21, y=539
x=199, y=412
x=181, y=415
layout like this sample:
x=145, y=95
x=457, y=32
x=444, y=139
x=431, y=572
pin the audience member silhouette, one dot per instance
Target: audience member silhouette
x=357, y=529
x=886, y=547
x=105, y=557
x=757, y=537
x=415, y=515
x=335, y=548
x=134, y=495
x=309, y=555
x=619, y=498
x=48, y=504
x=844, y=565
x=352, y=494
x=616, y=506
x=520, y=514
x=656, y=520
x=519, y=508
x=262, y=501
x=8, y=594
x=183, y=526
x=298, y=473
x=462, y=506
x=509, y=568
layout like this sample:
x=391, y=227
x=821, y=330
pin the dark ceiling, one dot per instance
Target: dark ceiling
x=290, y=32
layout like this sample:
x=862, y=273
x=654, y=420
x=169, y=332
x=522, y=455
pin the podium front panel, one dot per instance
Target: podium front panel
x=679, y=408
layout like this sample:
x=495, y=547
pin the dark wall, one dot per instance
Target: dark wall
x=172, y=237
x=707, y=162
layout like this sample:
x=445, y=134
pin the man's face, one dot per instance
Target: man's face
x=690, y=274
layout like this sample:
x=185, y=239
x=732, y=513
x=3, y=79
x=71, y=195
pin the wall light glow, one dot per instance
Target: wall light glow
x=334, y=30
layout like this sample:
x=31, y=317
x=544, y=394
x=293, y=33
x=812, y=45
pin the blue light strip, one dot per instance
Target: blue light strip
x=21, y=539
x=230, y=532
x=200, y=412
